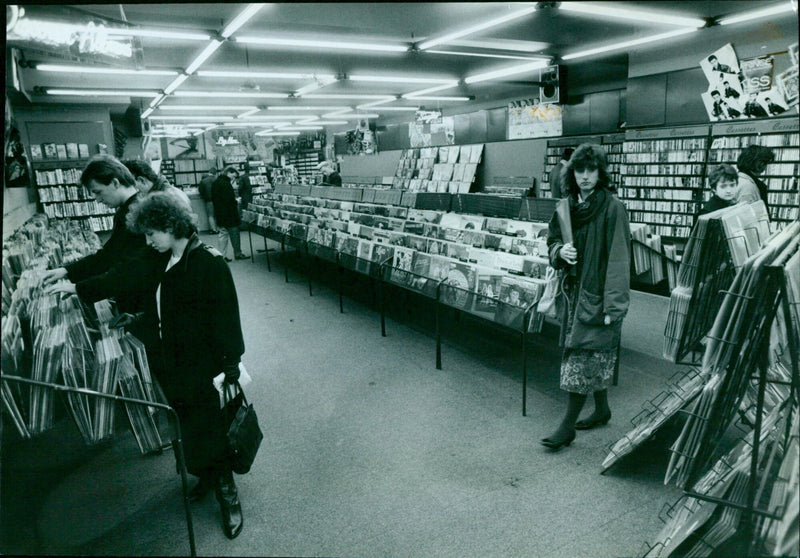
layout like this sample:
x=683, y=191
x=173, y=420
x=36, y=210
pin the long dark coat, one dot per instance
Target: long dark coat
x=200, y=334
x=602, y=276
x=226, y=210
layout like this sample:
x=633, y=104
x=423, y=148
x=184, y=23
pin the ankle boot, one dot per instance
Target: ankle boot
x=228, y=498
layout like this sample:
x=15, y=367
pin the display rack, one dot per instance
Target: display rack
x=305, y=161
x=445, y=169
x=663, y=173
x=184, y=173
x=62, y=196
x=781, y=135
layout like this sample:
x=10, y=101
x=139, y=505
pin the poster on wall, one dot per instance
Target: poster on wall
x=528, y=118
x=431, y=128
x=361, y=140
x=747, y=88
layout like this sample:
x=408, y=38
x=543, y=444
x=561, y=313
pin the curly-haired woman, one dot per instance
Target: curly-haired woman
x=200, y=336
x=752, y=162
x=596, y=287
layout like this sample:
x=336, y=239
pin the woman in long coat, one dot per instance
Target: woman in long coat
x=197, y=312
x=596, y=265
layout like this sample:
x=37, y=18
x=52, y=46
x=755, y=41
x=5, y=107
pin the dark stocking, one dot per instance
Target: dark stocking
x=601, y=409
x=567, y=427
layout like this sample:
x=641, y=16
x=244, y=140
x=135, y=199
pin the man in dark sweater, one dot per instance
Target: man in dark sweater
x=204, y=189
x=109, y=272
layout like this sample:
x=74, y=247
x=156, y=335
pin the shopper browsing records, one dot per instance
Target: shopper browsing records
x=556, y=173
x=148, y=181
x=724, y=183
x=113, y=271
x=200, y=337
x=596, y=288
x=226, y=210
x=245, y=189
x=329, y=175
x=752, y=163
x=204, y=189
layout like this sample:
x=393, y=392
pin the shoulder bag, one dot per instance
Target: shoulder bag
x=244, y=434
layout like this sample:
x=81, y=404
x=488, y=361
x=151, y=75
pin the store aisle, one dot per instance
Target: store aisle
x=371, y=451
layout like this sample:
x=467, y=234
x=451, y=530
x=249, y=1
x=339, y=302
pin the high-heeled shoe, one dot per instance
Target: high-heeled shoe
x=588, y=424
x=556, y=445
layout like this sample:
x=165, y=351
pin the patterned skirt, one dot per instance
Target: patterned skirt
x=586, y=370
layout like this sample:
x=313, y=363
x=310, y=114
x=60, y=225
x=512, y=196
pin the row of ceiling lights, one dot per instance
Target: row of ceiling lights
x=688, y=25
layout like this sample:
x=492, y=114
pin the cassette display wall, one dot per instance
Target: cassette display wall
x=728, y=140
x=663, y=173
x=63, y=197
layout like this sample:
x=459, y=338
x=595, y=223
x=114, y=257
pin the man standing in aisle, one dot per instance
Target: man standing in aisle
x=555, y=173
x=226, y=210
x=204, y=188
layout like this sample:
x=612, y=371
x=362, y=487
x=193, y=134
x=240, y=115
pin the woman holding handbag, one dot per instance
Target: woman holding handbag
x=590, y=241
x=200, y=336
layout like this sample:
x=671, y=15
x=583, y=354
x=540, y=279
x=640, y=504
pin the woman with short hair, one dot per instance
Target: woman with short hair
x=200, y=336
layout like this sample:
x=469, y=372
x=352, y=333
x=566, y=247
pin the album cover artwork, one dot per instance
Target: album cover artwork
x=421, y=264
x=382, y=252
x=366, y=232
x=505, y=244
x=515, y=296
x=486, y=258
x=353, y=228
x=459, y=284
x=397, y=239
x=458, y=251
x=401, y=265
x=61, y=151
x=83, y=150
x=431, y=230
x=419, y=243
x=524, y=247
x=474, y=238
x=364, y=254
x=36, y=152
x=452, y=235
x=414, y=227
x=451, y=221
x=496, y=226
x=347, y=244
x=50, y=151
x=436, y=247
x=487, y=292
x=535, y=268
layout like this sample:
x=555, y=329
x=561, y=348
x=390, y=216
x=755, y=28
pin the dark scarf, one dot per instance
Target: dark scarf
x=585, y=211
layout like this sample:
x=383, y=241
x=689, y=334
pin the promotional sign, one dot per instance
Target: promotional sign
x=528, y=118
x=431, y=128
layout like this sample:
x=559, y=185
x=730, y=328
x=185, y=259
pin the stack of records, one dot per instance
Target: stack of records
x=683, y=388
x=733, y=351
x=135, y=382
x=108, y=361
x=14, y=394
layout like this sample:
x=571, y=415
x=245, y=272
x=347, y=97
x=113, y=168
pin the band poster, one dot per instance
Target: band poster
x=528, y=118
x=747, y=88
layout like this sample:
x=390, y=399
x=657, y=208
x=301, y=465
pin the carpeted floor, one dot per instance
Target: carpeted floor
x=369, y=450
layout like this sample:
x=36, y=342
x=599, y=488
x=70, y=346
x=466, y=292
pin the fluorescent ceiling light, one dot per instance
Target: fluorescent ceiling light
x=264, y=75
x=414, y=94
x=475, y=28
x=397, y=79
x=311, y=43
x=483, y=55
x=102, y=93
x=628, y=44
x=508, y=71
x=755, y=14
x=391, y=109
x=246, y=124
x=313, y=86
x=323, y=122
x=158, y=136
x=242, y=94
x=157, y=100
x=206, y=107
x=215, y=117
x=267, y=117
x=147, y=113
x=296, y=128
x=210, y=49
x=605, y=11
x=350, y=116
x=291, y=108
x=199, y=132
x=247, y=113
x=514, y=45
x=175, y=83
x=243, y=17
x=378, y=102
x=265, y=133
x=157, y=33
x=348, y=96
x=432, y=98
x=100, y=70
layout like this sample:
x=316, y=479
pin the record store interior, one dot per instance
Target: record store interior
x=425, y=279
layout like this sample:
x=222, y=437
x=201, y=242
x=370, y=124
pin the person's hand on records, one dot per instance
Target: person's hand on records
x=63, y=287
x=569, y=253
x=53, y=275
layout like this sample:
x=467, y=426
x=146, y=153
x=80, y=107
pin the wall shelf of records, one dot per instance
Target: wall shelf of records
x=612, y=143
x=304, y=162
x=185, y=172
x=450, y=169
x=62, y=196
x=663, y=175
x=780, y=135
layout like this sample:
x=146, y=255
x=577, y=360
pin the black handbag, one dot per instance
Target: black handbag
x=244, y=434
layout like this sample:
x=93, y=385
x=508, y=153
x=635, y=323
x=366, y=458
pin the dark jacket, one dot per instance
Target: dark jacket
x=602, y=275
x=333, y=179
x=245, y=190
x=204, y=188
x=226, y=209
x=112, y=270
x=715, y=202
